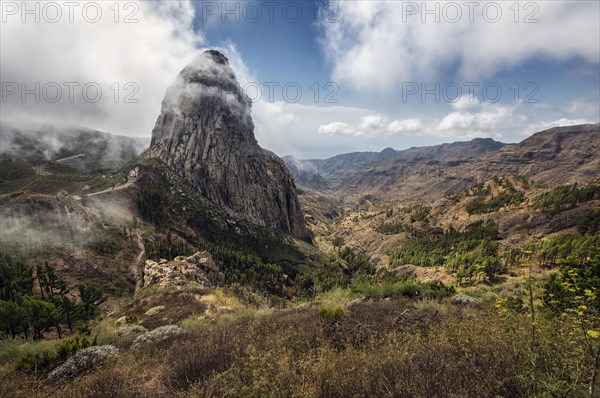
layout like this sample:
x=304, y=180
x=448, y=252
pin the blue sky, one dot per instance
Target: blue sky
x=282, y=50
x=369, y=61
x=541, y=86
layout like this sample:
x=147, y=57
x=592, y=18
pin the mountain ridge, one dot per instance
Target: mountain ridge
x=432, y=170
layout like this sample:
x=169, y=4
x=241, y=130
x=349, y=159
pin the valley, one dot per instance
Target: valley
x=200, y=264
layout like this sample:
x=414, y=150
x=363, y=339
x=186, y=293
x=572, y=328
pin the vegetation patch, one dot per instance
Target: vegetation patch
x=469, y=253
x=159, y=334
x=82, y=362
x=508, y=196
x=403, y=288
x=566, y=197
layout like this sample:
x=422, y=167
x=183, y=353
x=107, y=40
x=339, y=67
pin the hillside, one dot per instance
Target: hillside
x=556, y=156
x=133, y=256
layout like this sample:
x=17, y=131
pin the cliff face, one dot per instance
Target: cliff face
x=206, y=134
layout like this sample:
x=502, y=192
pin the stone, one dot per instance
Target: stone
x=205, y=133
x=155, y=310
x=198, y=270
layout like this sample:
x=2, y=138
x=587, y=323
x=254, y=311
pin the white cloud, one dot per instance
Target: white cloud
x=541, y=126
x=465, y=103
x=405, y=126
x=292, y=128
x=581, y=107
x=468, y=119
x=377, y=45
x=463, y=122
x=372, y=123
x=577, y=108
x=479, y=120
x=337, y=128
x=149, y=54
x=371, y=126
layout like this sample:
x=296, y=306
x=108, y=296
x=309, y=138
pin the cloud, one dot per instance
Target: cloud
x=337, y=128
x=467, y=119
x=465, y=103
x=576, y=109
x=360, y=45
x=293, y=128
x=126, y=61
x=372, y=126
x=481, y=120
x=405, y=126
x=307, y=130
x=541, y=126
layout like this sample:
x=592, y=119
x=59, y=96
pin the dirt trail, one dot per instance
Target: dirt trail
x=113, y=189
x=69, y=158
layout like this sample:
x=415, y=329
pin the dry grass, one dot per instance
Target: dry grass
x=381, y=348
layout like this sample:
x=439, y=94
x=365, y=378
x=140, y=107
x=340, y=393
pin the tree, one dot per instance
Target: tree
x=12, y=317
x=15, y=278
x=338, y=242
x=40, y=315
x=91, y=298
x=68, y=308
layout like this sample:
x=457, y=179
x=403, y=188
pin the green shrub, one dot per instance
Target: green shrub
x=337, y=297
x=37, y=357
x=420, y=213
x=70, y=346
x=332, y=315
x=36, y=363
x=43, y=357
x=10, y=347
x=195, y=322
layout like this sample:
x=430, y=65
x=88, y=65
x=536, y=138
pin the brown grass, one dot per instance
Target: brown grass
x=379, y=349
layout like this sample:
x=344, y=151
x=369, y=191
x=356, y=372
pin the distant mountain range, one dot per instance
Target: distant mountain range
x=556, y=156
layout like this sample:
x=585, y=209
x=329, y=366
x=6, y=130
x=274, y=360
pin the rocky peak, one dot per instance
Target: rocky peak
x=217, y=57
x=206, y=134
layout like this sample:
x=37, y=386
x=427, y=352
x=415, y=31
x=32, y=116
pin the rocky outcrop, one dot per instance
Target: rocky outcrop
x=198, y=270
x=206, y=134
